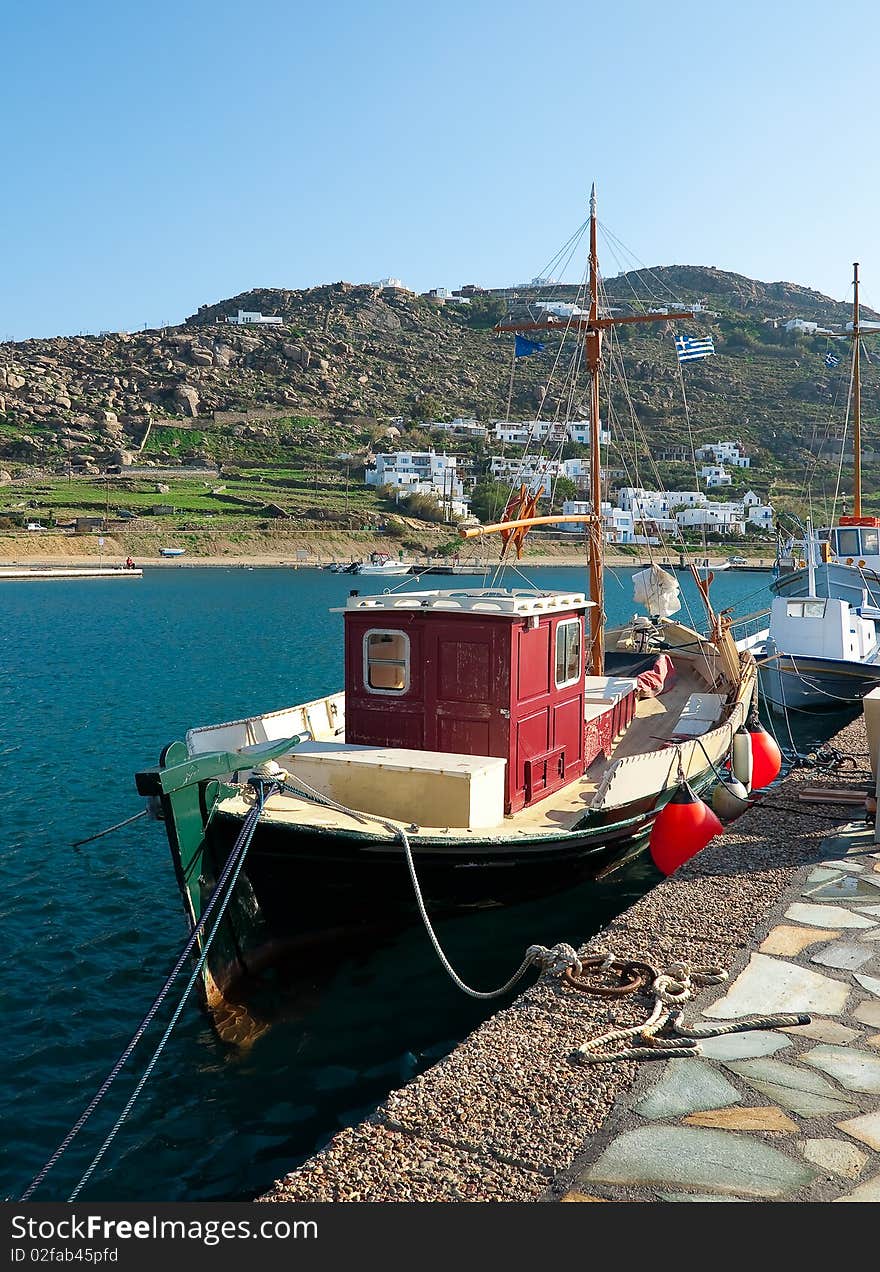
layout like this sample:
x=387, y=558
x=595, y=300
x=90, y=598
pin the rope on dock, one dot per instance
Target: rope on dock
x=663, y=1036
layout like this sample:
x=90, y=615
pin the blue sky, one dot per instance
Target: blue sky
x=158, y=157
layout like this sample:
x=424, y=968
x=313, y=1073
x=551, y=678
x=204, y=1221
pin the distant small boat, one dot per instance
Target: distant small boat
x=171, y=552
x=381, y=563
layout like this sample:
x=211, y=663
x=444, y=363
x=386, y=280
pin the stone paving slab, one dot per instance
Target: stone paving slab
x=507, y=1116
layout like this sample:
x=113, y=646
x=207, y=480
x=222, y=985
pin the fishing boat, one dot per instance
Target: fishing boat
x=819, y=652
x=849, y=560
x=488, y=744
x=382, y=565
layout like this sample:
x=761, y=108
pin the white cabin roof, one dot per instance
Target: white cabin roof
x=518, y=603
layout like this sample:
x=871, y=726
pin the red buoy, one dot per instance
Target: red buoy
x=681, y=829
x=766, y=756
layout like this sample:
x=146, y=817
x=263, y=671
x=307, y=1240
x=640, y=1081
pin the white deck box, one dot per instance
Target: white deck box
x=429, y=788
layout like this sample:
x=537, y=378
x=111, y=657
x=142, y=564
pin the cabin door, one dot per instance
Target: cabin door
x=467, y=688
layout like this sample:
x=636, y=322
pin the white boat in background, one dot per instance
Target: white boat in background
x=380, y=563
x=819, y=652
x=848, y=563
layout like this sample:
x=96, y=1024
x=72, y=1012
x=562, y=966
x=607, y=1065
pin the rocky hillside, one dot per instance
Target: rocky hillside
x=350, y=352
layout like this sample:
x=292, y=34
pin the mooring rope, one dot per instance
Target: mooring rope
x=78, y=843
x=554, y=958
x=242, y=843
x=235, y=857
x=671, y=989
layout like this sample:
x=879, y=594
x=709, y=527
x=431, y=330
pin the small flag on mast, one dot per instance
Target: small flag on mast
x=831, y=359
x=524, y=348
x=689, y=348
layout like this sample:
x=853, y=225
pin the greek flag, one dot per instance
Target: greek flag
x=831, y=359
x=523, y=348
x=688, y=348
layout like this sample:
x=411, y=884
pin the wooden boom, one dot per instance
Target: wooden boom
x=475, y=531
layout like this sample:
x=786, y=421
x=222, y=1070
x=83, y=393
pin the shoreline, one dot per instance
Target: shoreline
x=295, y=559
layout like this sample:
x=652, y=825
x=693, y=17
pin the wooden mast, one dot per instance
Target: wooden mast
x=857, y=412
x=593, y=340
x=591, y=328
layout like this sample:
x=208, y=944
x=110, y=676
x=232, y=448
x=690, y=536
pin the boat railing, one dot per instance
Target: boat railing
x=750, y=624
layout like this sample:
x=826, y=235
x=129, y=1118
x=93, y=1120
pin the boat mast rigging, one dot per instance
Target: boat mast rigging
x=857, y=411
x=591, y=328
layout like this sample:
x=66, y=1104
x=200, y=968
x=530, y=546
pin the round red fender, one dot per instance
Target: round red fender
x=681, y=829
x=766, y=756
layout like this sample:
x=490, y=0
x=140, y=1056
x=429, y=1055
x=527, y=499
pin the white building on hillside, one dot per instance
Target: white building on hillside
x=715, y=475
x=801, y=325
x=461, y=427
x=248, y=318
x=418, y=473
x=537, y=470
x=717, y=517
x=618, y=525
x=723, y=453
x=522, y=432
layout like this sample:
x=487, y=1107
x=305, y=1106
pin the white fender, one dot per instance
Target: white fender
x=741, y=757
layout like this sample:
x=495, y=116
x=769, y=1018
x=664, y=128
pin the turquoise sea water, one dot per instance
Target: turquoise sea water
x=95, y=678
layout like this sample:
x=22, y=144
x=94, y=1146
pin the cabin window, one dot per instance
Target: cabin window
x=568, y=653
x=848, y=543
x=806, y=609
x=870, y=542
x=386, y=662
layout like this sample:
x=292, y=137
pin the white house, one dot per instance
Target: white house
x=618, y=525
x=522, y=432
x=248, y=318
x=801, y=325
x=391, y=284
x=559, y=309
x=760, y=515
x=715, y=475
x=419, y=472
x=713, y=516
x=461, y=427
x=723, y=453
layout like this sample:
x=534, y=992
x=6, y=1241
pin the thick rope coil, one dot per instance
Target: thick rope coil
x=663, y=1036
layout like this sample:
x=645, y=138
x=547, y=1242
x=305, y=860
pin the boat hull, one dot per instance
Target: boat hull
x=834, y=578
x=814, y=684
x=301, y=887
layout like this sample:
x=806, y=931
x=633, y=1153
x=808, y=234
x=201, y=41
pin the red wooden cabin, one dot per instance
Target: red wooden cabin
x=472, y=672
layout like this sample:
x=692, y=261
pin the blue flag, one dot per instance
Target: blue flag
x=523, y=348
x=831, y=359
x=688, y=348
